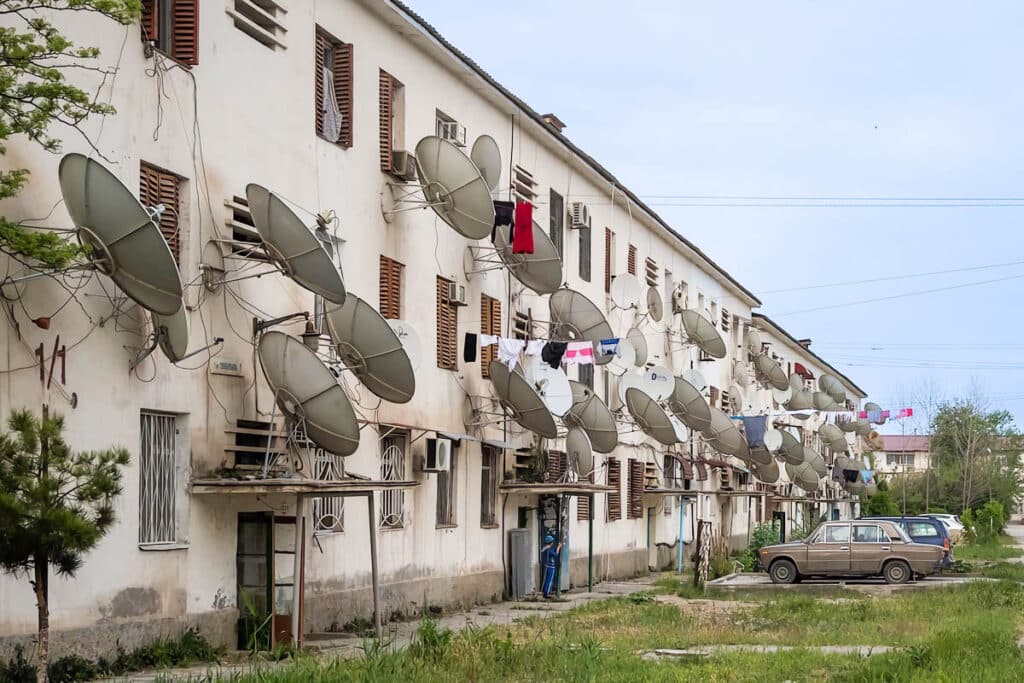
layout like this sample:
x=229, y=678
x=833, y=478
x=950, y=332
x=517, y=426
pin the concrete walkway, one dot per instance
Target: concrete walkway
x=1015, y=529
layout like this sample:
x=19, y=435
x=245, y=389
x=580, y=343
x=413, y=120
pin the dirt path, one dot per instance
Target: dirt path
x=1015, y=529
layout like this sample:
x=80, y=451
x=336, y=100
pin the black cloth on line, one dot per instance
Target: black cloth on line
x=552, y=353
x=504, y=214
x=469, y=348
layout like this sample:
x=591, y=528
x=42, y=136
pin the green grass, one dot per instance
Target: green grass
x=1002, y=548
x=965, y=632
x=1004, y=570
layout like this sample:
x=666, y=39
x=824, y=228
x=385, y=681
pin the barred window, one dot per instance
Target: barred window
x=392, y=468
x=162, y=469
x=446, y=491
x=328, y=511
x=490, y=473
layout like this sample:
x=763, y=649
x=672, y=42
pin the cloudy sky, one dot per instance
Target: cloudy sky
x=696, y=104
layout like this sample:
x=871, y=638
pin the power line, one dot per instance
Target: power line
x=798, y=198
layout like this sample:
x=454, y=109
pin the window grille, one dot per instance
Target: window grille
x=446, y=492
x=392, y=468
x=490, y=471
x=328, y=511
x=158, y=478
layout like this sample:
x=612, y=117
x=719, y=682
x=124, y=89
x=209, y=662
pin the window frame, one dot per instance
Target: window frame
x=556, y=221
x=833, y=527
x=390, y=281
x=446, y=508
x=155, y=187
x=585, y=252
x=165, y=23
x=447, y=339
x=393, y=471
x=490, y=323
x=174, y=508
x=343, y=73
x=490, y=472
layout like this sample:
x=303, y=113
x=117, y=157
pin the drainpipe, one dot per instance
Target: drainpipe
x=682, y=528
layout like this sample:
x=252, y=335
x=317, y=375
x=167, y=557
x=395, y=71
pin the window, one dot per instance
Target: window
x=631, y=259
x=490, y=472
x=609, y=259
x=636, y=489
x=651, y=272
x=163, y=469
x=901, y=459
x=556, y=465
x=726, y=320
x=333, y=89
x=556, y=221
x=392, y=120
x=522, y=325
x=159, y=187
x=584, y=252
x=447, y=323
x=524, y=187
x=173, y=28
x=615, y=495
x=328, y=511
x=869, y=533
x=261, y=20
x=837, y=534
x=585, y=375
x=390, y=288
x=490, y=323
x=447, y=128
x=446, y=491
x=392, y=468
x=922, y=530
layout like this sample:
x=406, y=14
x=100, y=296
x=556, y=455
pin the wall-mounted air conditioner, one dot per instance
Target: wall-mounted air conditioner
x=457, y=294
x=403, y=164
x=580, y=216
x=453, y=132
x=439, y=455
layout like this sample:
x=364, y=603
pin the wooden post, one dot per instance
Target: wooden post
x=373, y=564
x=297, y=578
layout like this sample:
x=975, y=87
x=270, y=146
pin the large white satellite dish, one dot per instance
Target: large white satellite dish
x=553, y=388
x=410, y=341
x=696, y=378
x=655, y=306
x=624, y=358
x=369, y=347
x=754, y=342
x=700, y=331
x=660, y=382
x=737, y=397
x=791, y=450
x=772, y=439
x=822, y=401
x=833, y=437
x=172, y=333
x=760, y=455
x=625, y=291
x=649, y=416
x=689, y=405
x=771, y=371
x=815, y=460
x=124, y=242
x=590, y=413
x=292, y=247
x=540, y=271
x=454, y=187
x=766, y=472
x=831, y=385
x=574, y=317
x=307, y=392
x=487, y=157
x=796, y=382
x=579, y=451
x=782, y=396
x=803, y=475
x=635, y=337
x=724, y=437
x=630, y=380
x=522, y=402
x=800, y=400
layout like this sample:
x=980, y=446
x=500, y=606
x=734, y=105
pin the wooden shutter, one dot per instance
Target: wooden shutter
x=615, y=496
x=585, y=253
x=490, y=323
x=343, y=90
x=185, y=31
x=651, y=271
x=583, y=503
x=161, y=187
x=390, y=288
x=631, y=260
x=636, y=489
x=320, y=53
x=149, y=21
x=447, y=324
x=609, y=238
x=557, y=464
x=385, y=103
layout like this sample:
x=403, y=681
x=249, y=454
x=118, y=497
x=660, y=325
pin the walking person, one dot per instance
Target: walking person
x=549, y=560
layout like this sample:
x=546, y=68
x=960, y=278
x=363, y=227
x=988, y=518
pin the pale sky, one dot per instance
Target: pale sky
x=857, y=99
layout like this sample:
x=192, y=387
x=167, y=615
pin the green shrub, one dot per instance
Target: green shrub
x=18, y=669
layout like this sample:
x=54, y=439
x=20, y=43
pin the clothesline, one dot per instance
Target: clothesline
x=554, y=353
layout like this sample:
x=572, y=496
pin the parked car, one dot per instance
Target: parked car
x=857, y=548
x=926, y=530
x=952, y=522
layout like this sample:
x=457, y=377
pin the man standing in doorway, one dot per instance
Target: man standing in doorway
x=549, y=560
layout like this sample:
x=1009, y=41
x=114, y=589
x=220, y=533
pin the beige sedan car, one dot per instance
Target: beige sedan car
x=851, y=548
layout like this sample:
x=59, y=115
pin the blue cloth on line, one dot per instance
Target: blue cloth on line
x=754, y=427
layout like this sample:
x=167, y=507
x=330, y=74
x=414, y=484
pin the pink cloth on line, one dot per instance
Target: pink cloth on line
x=579, y=353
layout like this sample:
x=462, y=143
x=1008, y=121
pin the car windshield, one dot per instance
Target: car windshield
x=903, y=534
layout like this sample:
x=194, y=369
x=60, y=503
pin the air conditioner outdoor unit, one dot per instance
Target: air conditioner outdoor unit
x=403, y=164
x=439, y=455
x=453, y=133
x=457, y=294
x=580, y=215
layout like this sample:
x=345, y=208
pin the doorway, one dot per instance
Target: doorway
x=265, y=571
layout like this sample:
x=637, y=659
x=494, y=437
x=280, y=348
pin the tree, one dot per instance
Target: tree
x=880, y=504
x=35, y=61
x=55, y=506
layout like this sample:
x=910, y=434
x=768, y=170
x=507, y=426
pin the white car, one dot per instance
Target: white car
x=952, y=522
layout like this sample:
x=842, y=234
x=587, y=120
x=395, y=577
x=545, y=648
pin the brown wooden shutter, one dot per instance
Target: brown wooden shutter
x=185, y=31
x=651, y=271
x=149, y=21
x=386, y=134
x=558, y=463
x=636, y=489
x=631, y=260
x=447, y=325
x=615, y=496
x=490, y=323
x=390, y=288
x=319, y=51
x=343, y=67
x=608, y=238
x=583, y=503
x=160, y=187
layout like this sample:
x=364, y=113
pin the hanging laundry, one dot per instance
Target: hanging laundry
x=866, y=475
x=837, y=473
x=469, y=348
x=874, y=416
x=488, y=340
x=509, y=350
x=850, y=476
x=534, y=346
x=552, y=352
x=754, y=426
x=522, y=238
x=905, y=412
x=608, y=347
x=579, y=353
x=330, y=126
x=504, y=214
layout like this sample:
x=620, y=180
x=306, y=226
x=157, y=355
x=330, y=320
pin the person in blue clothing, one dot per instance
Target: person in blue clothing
x=549, y=560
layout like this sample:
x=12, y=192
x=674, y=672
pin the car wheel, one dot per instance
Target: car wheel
x=897, y=571
x=783, y=571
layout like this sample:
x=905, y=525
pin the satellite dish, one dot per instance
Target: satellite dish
x=696, y=378
x=590, y=413
x=847, y=425
x=847, y=464
x=625, y=291
x=410, y=339
x=724, y=437
x=521, y=401
x=650, y=417
x=862, y=427
x=833, y=437
x=814, y=459
x=679, y=427
x=791, y=451
x=800, y=400
x=688, y=405
x=754, y=342
x=660, y=382
x=736, y=398
x=773, y=439
x=823, y=401
x=624, y=358
x=292, y=247
x=124, y=242
x=172, y=333
x=553, y=388
x=454, y=187
x=870, y=407
x=796, y=383
x=768, y=473
x=854, y=487
x=803, y=475
x=833, y=387
x=771, y=371
x=574, y=317
x=782, y=396
x=579, y=452
x=631, y=380
x=487, y=157
x=655, y=307
x=639, y=342
x=701, y=332
x=307, y=392
x=540, y=271
x=760, y=456
x=740, y=374
x=370, y=348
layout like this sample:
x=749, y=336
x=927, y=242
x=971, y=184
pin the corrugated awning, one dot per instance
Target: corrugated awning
x=455, y=436
x=497, y=443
